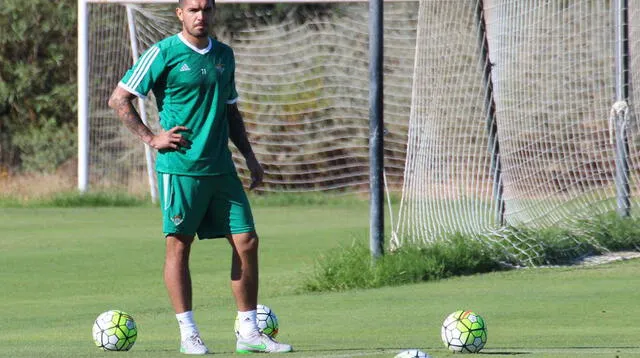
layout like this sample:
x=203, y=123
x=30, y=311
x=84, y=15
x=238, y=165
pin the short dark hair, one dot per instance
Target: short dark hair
x=181, y=3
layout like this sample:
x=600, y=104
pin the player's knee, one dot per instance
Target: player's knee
x=245, y=242
x=178, y=243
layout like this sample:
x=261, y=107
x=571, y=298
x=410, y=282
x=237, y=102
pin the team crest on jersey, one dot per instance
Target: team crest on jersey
x=220, y=68
x=177, y=219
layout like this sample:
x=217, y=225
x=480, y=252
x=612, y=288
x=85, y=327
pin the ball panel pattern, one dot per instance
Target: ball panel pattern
x=464, y=331
x=114, y=330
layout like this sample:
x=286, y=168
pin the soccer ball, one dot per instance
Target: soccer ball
x=464, y=331
x=266, y=319
x=412, y=353
x=115, y=331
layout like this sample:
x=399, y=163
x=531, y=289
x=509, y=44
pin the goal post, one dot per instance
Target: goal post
x=622, y=84
x=141, y=105
x=83, y=98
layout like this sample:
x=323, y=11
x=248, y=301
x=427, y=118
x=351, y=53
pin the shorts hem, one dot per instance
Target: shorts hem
x=206, y=236
x=211, y=236
x=178, y=233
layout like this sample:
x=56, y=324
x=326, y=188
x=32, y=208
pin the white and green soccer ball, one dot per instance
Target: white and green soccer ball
x=114, y=330
x=412, y=353
x=464, y=331
x=266, y=319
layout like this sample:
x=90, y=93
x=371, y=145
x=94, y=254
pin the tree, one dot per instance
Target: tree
x=37, y=81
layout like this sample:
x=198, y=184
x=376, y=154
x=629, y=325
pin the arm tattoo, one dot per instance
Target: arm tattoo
x=130, y=117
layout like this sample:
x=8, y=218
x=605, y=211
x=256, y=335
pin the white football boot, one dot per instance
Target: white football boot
x=193, y=345
x=260, y=343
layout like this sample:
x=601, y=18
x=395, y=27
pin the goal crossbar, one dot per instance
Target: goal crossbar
x=237, y=1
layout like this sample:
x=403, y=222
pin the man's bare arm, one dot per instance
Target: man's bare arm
x=238, y=132
x=121, y=101
x=238, y=135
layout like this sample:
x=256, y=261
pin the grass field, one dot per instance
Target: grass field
x=59, y=268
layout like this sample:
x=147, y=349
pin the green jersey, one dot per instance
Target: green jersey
x=192, y=88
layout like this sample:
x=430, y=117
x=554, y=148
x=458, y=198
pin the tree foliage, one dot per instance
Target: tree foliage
x=37, y=79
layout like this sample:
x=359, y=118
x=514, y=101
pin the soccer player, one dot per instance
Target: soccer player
x=192, y=78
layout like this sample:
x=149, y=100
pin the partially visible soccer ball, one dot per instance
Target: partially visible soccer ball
x=464, y=331
x=412, y=353
x=266, y=319
x=114, y=331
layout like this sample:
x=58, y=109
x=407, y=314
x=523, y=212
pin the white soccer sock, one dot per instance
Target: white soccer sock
x=247, y=324
x=187, y=324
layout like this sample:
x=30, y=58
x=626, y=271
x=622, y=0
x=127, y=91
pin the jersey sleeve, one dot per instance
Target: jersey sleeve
x=233, y=95
x=140, y=78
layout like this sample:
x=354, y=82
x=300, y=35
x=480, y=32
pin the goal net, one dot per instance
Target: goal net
x=530, y=144
x=497, y=113
x=302, y=81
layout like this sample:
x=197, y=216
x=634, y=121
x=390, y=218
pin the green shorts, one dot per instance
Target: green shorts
x=210, y=206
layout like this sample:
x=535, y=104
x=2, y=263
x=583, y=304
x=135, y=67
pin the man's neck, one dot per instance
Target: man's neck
x=199, y=42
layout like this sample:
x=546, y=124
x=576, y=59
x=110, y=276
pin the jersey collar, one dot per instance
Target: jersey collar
x=201, y=51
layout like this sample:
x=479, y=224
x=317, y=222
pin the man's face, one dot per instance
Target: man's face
x=196, y=16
